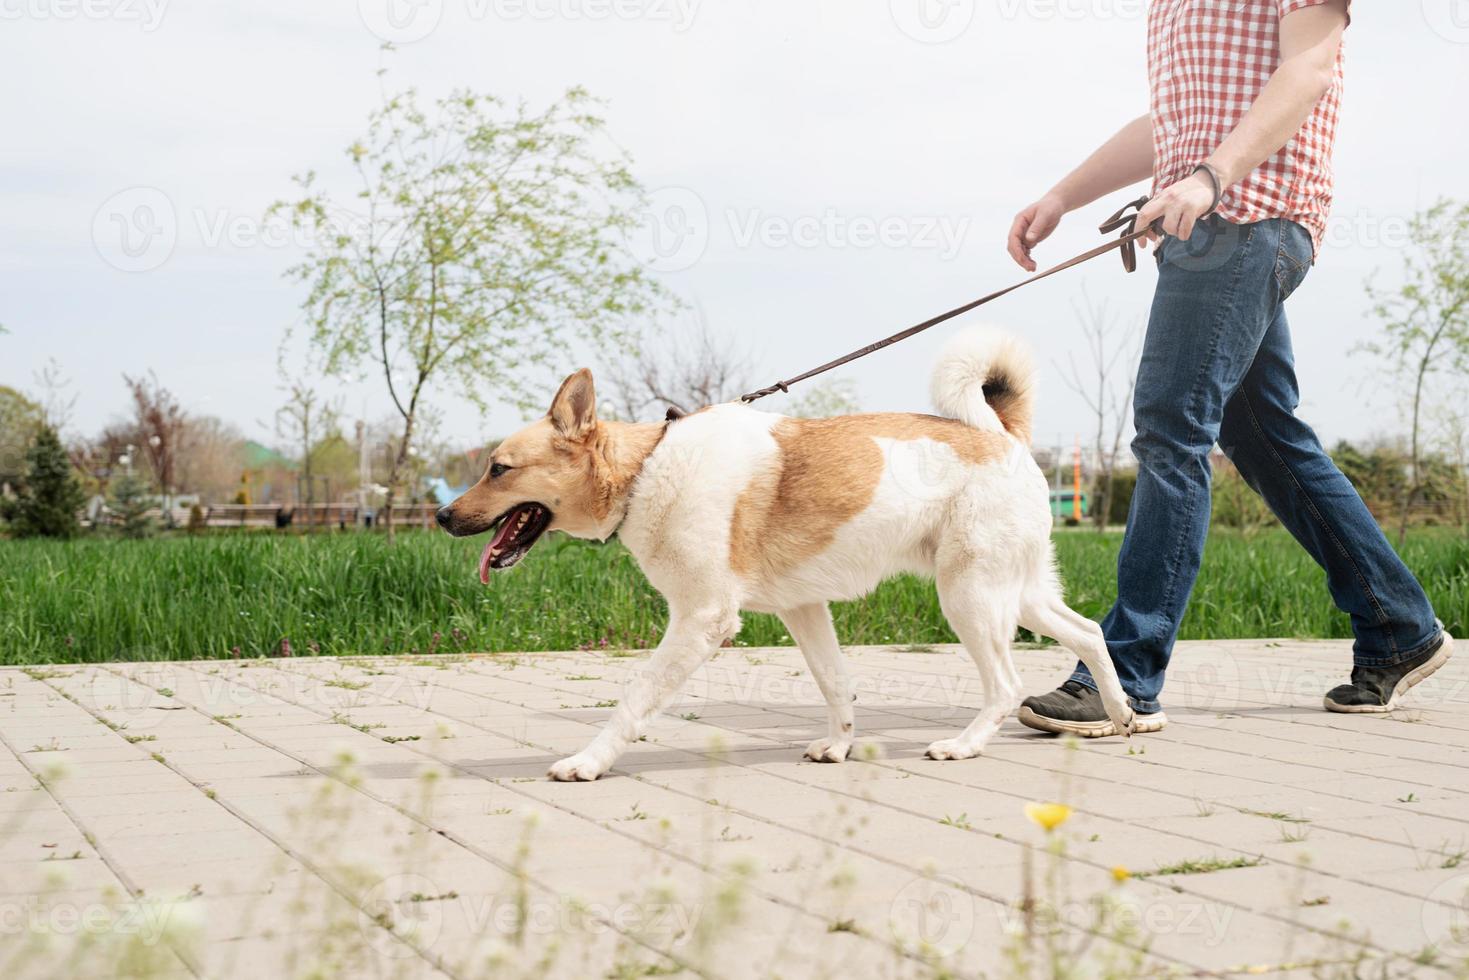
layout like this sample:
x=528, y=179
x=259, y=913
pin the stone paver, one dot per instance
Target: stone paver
x=388, y=816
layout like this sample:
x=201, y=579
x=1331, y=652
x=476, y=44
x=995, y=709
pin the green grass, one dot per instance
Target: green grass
x=182, y=597
x=1203, y=866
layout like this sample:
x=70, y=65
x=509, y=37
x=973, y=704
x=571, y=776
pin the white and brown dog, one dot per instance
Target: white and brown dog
x=731, y=508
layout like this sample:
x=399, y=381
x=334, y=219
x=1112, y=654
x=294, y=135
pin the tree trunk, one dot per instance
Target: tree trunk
x=1413, y=483
x=310, y=492
x=400, y=459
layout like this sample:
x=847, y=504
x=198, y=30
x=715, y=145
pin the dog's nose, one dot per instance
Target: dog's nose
x=444, y=515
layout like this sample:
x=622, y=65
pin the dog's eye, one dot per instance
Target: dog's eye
x=497, y=469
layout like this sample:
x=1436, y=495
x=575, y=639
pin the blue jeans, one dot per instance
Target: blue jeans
x=1217, y=367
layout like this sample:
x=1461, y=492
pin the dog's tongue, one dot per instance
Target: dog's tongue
x=495, y=546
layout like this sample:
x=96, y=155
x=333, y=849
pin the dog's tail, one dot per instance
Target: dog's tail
x=985, y=378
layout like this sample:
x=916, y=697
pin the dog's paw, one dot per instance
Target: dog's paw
x=828, y=750
x=1124, y=720
x=951, y=748
x=577, y=768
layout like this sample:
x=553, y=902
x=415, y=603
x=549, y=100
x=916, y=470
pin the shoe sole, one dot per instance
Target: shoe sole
x=1141, y=724
x=1410, y=680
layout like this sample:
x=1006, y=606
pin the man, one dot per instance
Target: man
x=1238, y=142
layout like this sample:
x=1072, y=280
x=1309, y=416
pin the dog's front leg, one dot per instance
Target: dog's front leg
x=690, y=640
x=811, y=627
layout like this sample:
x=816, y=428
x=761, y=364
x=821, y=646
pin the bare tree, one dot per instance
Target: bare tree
x=1105, y=383
x=98, y=457
x=160, y=420
x=695, y=367
x=211, y=458
x=684, y=369
x=58, y=402
x=304, y=419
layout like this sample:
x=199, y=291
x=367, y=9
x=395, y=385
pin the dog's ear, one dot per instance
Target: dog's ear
x=574, y=409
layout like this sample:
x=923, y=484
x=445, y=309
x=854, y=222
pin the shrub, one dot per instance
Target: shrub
x=1124, y=482
x=130, y=506
x=1236, y=504
x=49, y=497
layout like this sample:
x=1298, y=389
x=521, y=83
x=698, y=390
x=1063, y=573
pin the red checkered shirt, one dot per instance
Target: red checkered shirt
x=1207, y=62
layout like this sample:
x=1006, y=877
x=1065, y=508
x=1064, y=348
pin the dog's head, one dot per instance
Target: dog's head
x=545, y=477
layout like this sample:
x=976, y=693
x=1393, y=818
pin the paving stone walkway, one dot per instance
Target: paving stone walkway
x=388, y=817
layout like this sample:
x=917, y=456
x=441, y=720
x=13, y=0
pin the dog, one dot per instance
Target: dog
x=730, y=508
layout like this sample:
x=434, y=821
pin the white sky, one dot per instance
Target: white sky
x=755, y=116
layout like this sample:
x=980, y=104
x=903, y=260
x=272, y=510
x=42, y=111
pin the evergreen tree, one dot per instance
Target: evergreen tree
x=130, y=505
x=49, y=497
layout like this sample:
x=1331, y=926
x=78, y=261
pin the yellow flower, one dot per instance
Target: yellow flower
x=1120, y=874
x=1048, y=815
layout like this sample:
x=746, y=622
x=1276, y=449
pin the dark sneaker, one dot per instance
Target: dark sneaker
x=1377, y=689
x=1075, y=709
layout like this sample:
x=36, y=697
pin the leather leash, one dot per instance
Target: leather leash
x=1119, y=219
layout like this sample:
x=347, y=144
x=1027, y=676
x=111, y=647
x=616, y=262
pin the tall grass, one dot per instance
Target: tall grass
x=182, y=597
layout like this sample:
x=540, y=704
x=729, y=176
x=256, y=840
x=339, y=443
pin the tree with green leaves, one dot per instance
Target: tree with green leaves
x=20, y=420
x=130, y=506
x=1426, y=322
x=49, y=497
x=484, y=239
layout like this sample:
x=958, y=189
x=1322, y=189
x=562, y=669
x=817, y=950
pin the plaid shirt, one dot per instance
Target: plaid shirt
x=1207, y=62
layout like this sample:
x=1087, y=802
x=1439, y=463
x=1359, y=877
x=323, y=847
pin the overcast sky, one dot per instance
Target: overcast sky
x=823, y=173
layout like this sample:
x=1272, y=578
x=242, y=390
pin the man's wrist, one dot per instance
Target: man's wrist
x=1223, y=171
x=1061, y=198
x=1212, y=182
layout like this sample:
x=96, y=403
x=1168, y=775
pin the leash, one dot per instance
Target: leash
x=1126, y=244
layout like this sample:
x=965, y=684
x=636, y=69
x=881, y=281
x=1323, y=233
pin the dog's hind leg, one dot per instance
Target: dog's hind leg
x=1043, y=611
x=691, y=639
x=982, y=614
x=811, y=628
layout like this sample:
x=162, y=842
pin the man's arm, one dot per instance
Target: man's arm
x=1309, y=40
x=1124, y=159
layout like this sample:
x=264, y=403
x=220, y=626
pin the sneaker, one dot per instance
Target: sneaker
x=1075, y=709
x=1378, y=689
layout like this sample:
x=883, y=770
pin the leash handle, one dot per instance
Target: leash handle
x=1124, y=218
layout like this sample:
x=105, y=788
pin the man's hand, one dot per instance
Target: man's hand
x=1178, y=206
x=1032, y=226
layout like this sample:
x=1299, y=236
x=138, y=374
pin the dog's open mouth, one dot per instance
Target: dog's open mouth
x=518, y=529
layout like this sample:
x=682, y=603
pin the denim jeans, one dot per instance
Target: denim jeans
x=1217, y=367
